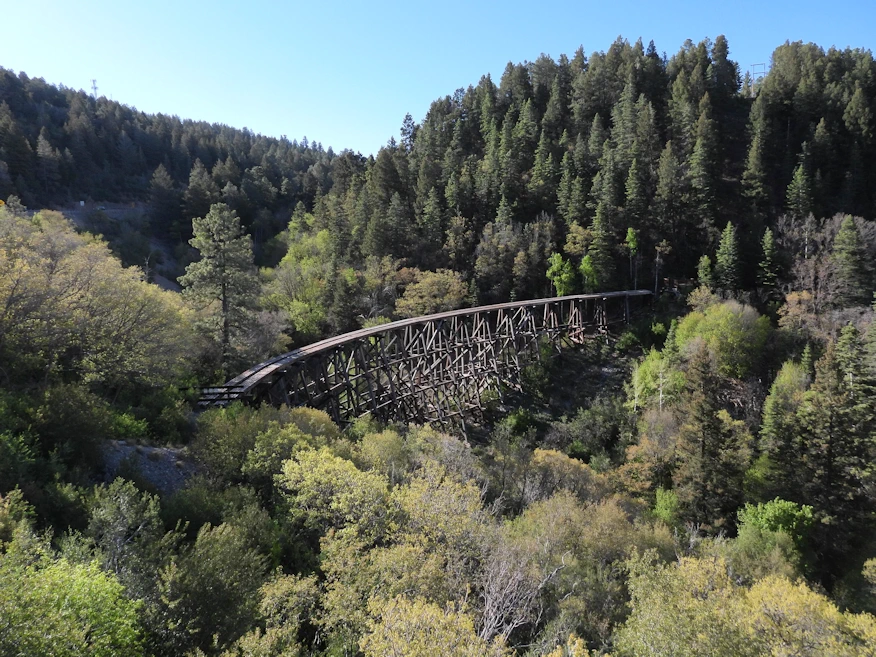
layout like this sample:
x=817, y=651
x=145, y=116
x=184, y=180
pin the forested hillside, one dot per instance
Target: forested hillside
x=703, y=483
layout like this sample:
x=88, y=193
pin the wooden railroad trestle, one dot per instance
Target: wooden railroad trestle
x=425, y=369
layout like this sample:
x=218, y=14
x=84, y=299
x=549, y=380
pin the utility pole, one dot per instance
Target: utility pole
x=94, y=88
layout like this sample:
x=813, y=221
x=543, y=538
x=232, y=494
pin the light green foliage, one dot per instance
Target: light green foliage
x=561, y=275
x=569, y=553
x=432, y=292
x=297, y=286
x=666, y=506
x=354, y=575
x=226, y=436
x=550, y=471
x=13, y=511
x=441, y=513
x=386, y=452
x=301, y=428
x=325, y=491
x=655, y=381
x=574, y=647
x=756, y=553
x=694, y=608
x=286, y=603
x=54, y=607
x=779, y=515
x=588, y=274
x=734, y=332
x=69, y=305
x=416, y=628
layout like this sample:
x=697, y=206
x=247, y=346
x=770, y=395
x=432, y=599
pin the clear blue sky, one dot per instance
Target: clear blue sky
x=345, y=73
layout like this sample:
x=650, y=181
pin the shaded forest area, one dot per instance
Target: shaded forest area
x=702, y=484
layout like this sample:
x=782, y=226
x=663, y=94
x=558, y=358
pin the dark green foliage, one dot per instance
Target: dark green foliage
x=853, y=275
x=211, y=590
x=711, y=450
x=224, y=280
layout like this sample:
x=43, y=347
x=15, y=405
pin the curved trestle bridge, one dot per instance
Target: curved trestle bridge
x=426, y=369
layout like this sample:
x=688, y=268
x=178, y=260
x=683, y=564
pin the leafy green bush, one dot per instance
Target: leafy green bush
x=734, y=332
x=54, y=607
x=666, y=506
x=779, y=515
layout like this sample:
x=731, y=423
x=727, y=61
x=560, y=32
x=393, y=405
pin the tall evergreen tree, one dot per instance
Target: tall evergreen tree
x=727, y=272
x=709, y=448
x=668, y=202
x=635, y=197
x=703, y=170
x=201, y=193
x=836, y=423
x=767, y=270
x=754, y=179
x=48, y=162
x=799, y=195
x=854, y=285
x=598, y=271
x=570, y=193
x=165, y=200
x=431, y=227
x=223, y=281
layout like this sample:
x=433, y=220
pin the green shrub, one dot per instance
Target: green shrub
x=734, y=332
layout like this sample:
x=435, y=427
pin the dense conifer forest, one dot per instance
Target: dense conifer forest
x=702, y=483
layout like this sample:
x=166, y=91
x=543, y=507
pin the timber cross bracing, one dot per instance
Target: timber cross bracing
x=425, y=369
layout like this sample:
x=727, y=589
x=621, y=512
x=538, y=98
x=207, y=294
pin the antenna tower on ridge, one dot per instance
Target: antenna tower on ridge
x=94, y=88
x=758, y=71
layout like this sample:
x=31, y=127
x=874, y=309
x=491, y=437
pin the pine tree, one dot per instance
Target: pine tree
x=636, y=199
x=165, y=200
x=631, y=244
x=570, y=193
x=224, y=280
x=48, y=162
x=702, y=169
x=201, y=193
x=599, y=270
x=668, y=204
x=704, y=272
x=710, y=450
x=852, y=276
x=727, y=274
x=799, y=194
x=780, y=440
x=754, y=185
x=837, y=431
x=767, y=274
x=431, y=227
